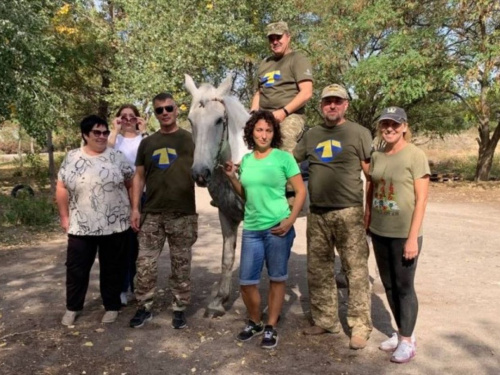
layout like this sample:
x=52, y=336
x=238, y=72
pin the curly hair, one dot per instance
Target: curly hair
x=268, y=117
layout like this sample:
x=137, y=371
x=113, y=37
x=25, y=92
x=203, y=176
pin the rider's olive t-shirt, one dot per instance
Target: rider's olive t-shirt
x=264, y=182
x=277, y=80
x=167, y=161
x=335, y=156
x=393, y=177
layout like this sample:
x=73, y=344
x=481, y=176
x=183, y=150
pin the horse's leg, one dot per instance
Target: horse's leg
x=229, y=234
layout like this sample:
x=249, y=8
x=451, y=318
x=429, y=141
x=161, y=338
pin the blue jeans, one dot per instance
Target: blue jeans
x=258, y=246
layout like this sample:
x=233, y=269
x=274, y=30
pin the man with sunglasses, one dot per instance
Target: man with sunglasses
x=284, y=84
x=337, y=151
x=163, y=166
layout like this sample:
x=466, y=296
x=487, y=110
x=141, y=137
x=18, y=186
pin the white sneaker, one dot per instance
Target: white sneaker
x=123, y=298
x=391, y=343
x=109, y=317
x=69, y=317
x=404, y=352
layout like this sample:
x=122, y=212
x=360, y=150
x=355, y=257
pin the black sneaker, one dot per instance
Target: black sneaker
x=270, y=339
x=252, y=329
x=141, y=316
x=179, y=320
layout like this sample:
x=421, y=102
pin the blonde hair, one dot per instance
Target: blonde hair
x=379, y=141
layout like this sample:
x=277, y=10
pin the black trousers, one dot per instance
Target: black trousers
x=81, y=254
x=398, y=275
x=131, y=259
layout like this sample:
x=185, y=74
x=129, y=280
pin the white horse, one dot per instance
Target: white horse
x=217, y=121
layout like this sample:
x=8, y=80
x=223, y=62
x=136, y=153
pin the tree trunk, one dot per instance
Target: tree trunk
x=52, y=166
x=485, y=157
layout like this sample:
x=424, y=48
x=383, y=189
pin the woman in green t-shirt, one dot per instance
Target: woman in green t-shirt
x=268, y=231
x=396, y=202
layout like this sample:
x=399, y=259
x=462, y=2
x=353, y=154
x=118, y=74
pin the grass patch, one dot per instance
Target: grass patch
x=464, y=166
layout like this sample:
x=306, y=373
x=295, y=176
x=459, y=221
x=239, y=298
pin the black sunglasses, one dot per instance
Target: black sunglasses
x=168, y=108
x=274, y=37
x=98, y=133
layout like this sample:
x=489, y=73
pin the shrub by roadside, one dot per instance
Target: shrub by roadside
x=27, y=210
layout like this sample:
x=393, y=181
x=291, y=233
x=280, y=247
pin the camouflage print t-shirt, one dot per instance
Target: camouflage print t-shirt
x=277, y=80
x=393, y=178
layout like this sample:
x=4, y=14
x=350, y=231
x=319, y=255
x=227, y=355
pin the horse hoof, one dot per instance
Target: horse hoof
x=211, y=313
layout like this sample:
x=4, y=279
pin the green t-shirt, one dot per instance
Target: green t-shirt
x=393, y=179
x=264, y=182
x=167, y=161
x=335, y=156
x=277, y=80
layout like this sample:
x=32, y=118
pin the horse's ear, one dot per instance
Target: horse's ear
x=226, y=85
x=190, y=85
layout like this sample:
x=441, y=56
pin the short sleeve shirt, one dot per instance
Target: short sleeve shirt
x=277, y=80
x=98, y=199
x=167, y=161
x=393, y=178
x=128, y=146
x=264, y=181
x=335, y=156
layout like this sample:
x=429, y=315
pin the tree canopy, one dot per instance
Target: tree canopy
x=439, y=59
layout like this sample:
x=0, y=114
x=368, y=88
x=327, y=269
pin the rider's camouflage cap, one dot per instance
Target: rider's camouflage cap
x=334, y=90
x=277, y=28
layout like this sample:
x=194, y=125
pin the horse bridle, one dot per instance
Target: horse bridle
x=225, y=132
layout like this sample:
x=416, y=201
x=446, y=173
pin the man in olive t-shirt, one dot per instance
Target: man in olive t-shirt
x=337, y=152
x=284, y=84
x=163, y=166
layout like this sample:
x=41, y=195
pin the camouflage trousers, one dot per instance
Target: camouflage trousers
x=291, y=129
x=181, y=233
x=343, y=229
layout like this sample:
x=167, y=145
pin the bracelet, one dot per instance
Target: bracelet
x=286, y=112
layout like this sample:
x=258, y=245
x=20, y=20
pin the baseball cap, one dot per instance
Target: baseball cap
x=395, y=114
x=335, y=90
x=277, y=28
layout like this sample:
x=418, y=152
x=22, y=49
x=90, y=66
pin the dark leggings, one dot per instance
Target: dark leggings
x=398, y=275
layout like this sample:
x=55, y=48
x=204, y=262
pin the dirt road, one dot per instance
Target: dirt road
x=458, y=284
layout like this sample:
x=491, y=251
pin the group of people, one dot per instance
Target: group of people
x=97, y=182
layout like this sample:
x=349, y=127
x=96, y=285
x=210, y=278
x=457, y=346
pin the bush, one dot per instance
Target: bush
x=27, y=210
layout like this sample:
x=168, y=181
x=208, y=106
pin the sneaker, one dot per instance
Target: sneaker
x=270, y=339
x=179, y=320
x=109, y=316
x=252, y=329
x=123, y=298
x=69, y=317
x=391, y=344
x=404, y=352
x=141, y=316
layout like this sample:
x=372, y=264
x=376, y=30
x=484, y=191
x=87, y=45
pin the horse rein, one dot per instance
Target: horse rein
x=225, y=132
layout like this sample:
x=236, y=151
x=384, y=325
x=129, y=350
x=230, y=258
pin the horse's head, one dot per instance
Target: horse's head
x=209, y=120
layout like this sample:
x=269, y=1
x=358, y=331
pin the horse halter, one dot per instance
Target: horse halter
x=225, y=133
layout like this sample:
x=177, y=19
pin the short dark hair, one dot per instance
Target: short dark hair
x=129, y=106
x=162, y=96
x=268, y=117
x=89, y=122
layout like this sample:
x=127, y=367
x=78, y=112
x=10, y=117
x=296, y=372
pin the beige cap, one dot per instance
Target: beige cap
x=277, y=28
x=335, y=90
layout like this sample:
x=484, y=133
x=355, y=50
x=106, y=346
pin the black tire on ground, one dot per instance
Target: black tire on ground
x=19, y=188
